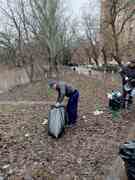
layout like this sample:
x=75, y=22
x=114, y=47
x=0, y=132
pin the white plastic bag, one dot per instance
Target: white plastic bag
x=133, y=93
x=56, y=121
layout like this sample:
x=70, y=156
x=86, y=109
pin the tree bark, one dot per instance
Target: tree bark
x=96, y=61
x=104, y=56
x=30, y=69
x=116, y=55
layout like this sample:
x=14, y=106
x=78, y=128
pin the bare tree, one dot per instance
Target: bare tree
x=37, y=25
x=91, y=29
x=119, y=12
x=51, y=30
x=16, y=15
x=104, y=52
x=7, y=48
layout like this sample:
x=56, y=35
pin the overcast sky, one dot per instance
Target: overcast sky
x=76, y=5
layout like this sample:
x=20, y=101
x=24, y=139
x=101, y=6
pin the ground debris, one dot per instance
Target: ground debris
x=83, y=150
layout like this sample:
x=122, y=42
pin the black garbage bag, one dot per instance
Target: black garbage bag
x=127, y=153
x=115, y=100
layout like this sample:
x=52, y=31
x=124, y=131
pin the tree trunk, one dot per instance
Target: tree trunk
x=50, y=67
x=31, y=72
x=117, y=59
x=96, y=61
x=104, y=56
x=56, y=66
x=50, y=71
x=53, y=66
x=89, y=59
x=116, y=55
x=30, y=69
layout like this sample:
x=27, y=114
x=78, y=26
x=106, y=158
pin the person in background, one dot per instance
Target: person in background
x=65, y=90
x=128, y=77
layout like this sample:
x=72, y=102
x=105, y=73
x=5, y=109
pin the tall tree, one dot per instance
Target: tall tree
x=119, y=13
x=51, y=29
x=91, y=24
x=43, y=23
x=16, y=16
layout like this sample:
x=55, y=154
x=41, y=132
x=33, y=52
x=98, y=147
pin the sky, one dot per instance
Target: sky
x=76, y=5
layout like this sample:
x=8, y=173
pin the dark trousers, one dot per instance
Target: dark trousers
x=129, y=100
x=72, y=107
x=125, y=93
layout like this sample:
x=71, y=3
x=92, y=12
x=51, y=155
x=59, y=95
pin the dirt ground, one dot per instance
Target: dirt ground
x=82, y=153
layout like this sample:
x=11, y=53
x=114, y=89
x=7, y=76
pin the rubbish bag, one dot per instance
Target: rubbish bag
x=127, y=153
x=56, y=121
x=115, y=100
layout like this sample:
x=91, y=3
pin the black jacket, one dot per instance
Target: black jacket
x=126, y=71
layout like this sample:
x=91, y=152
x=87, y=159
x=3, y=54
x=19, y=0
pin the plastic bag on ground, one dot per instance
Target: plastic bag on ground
x=115, y=100
x=97, y=112
x=127, y=153
x=56, y=121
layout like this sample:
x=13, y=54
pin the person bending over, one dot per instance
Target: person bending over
x=65, y=90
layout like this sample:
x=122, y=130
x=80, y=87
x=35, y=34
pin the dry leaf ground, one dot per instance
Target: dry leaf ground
x=87, y=150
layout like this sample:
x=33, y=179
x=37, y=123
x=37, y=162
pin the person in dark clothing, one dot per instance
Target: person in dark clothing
x=128, y=82
x=63, y=90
